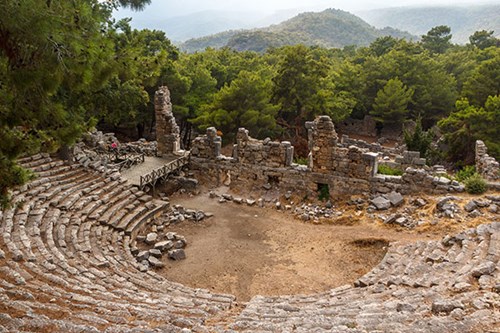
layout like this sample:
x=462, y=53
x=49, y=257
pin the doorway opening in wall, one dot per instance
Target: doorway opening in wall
x=273, y=180
x=323, y=192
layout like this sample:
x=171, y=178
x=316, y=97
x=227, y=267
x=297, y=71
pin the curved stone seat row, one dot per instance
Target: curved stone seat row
x=66, y=265
x=451, y=285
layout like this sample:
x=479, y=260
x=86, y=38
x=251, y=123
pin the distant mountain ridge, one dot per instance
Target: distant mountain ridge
x=463, y=21
x=329, y=28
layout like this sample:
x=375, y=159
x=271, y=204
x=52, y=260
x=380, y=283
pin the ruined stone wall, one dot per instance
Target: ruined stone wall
x=326, y=156
x=167, y=131
x=486, y=165
x=265, y=153
x=346, y=170
x=207, y=146
x=414, y=180
x=346, y=141
x=295, y=178
x=365, y=127
x=322, y=143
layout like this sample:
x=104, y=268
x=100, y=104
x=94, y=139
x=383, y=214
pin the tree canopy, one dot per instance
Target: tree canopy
x=437, y=40
x=391, y=103
x=68, y=66
x=53, y=55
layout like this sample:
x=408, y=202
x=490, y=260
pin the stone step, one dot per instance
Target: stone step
x=134, y=224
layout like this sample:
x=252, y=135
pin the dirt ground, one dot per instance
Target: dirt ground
x=248, y=251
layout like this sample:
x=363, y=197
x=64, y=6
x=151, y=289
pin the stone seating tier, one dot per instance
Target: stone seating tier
x=66, y=265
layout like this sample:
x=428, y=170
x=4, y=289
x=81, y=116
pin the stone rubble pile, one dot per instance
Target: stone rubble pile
x=154, y=240
x=305, y=212
x=160, y=244
x=95, y=151
x=98, y=141
x=346, y=141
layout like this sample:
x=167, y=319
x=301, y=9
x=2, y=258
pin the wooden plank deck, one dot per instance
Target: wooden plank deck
x=133, y=175
x=154, y=169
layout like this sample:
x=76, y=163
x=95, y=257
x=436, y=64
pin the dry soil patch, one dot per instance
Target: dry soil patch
x=248, y=251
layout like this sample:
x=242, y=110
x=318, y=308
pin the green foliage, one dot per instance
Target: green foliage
x=465, y=173
x=391, y=103
x=418, y=140
x=434, y=89
x=435, y=156
x=384, y=169
x=437, y=40
x=483, y=39
x=11, y=174
x=143, y=58
x=470, y=123
x=323, y=192
x=484, y=81
x=301, y=160
x=54, y=55
x=245, y=102
x=475, y=184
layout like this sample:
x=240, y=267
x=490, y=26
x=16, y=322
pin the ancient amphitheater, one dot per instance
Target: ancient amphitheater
x=67, y=264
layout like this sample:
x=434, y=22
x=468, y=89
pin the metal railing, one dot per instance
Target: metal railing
x=162, y=173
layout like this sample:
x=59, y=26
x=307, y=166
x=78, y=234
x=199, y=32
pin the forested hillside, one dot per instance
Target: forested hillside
x=60, y=78
x=464, y=21
x=330, y=28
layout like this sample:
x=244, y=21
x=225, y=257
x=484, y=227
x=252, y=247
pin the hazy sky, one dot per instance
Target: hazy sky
x=170, y=8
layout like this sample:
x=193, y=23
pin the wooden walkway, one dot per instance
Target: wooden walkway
x=154, y=169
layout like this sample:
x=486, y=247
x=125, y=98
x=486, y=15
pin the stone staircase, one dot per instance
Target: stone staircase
x=66, y=265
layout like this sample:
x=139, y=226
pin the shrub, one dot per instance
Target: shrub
x=418, y=140
x=475, y=184
x=384, y=169
x=323, y=192
x=465, y=173
x=301, y=160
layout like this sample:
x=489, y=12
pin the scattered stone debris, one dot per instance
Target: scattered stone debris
x=381, y=203
x=446, y=206
x=403, y=215
x=386, y=201
x=158, y=241
x=305, y=212
x=402, y=220
x=178, y=254
x=172, y=244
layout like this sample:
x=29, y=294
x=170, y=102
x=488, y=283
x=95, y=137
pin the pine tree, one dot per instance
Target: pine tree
x=391, y=103
x=437, y=40
x=53, y=54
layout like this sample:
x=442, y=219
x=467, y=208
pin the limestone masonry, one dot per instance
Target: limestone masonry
x=486, y=165
x=346, y=169
x=167, y=131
